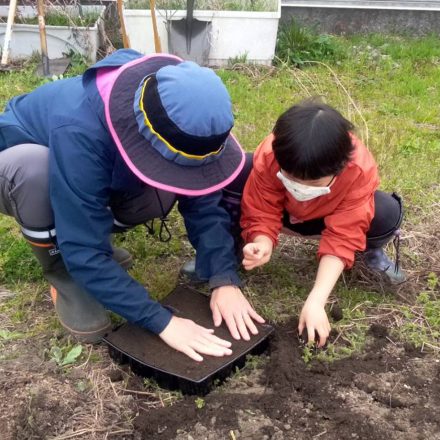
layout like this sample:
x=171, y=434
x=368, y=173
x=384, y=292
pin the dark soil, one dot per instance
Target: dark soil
x=387, y=393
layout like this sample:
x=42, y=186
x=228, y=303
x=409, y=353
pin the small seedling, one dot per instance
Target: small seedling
x=309, y=351
x=309, y=348
x=82, y=386
x=200, y=403
x=64, y=356
x=6, y=335
x=433, y=281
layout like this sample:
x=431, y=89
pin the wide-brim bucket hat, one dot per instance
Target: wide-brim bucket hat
x=171, y=122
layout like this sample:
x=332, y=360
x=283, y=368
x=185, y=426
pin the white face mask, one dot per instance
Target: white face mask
x=301, y=192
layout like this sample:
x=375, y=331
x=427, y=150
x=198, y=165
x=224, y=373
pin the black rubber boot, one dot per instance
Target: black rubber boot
x=390, y=217
x=378, y=261
x=79, y=313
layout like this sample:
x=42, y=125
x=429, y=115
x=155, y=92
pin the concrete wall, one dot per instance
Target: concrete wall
x=351, y=21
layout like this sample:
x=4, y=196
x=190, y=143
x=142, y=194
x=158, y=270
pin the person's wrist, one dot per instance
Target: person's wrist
x=263, y=239
x=231, y=286
x=317, y=297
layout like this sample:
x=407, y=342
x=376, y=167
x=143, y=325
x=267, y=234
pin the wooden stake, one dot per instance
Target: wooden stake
x=8, y=32
x=125, y=39
x=157, y=45
x=43, y=39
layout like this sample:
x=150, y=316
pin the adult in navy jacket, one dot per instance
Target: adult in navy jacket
x=113, y=148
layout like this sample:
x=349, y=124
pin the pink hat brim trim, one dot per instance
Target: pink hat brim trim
x=105, y=88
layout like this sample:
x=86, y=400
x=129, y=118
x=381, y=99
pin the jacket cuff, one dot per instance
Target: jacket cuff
x=159, y=321
x=229, y=278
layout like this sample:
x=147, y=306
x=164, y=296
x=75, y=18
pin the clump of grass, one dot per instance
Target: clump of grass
x=17, y=263
x=158, y=396
x=297, y=44
x=239, y=59
x=58, y=18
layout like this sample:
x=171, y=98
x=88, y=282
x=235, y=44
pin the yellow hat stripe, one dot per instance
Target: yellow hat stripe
x=169, y=146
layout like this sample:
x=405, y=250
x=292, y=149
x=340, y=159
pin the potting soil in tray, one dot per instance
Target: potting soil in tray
x=150, y=357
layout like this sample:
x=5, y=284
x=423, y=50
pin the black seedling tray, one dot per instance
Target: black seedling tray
x=148, y=356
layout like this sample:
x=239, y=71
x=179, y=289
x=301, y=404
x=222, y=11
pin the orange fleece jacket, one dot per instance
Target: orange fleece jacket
x=347, y=210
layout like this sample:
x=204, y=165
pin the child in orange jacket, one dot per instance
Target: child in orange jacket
x=314, y=177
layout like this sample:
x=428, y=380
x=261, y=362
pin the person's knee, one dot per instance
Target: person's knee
x=387, y=218
x=28, y=164
x=26, y=169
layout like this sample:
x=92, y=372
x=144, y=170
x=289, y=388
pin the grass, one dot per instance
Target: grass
x=389, y=87
x=210, y=5
x=55, y=18
x=297, y=45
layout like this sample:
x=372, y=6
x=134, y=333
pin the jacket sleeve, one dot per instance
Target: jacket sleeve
x=346, y=228
x=80, y=178
x=208, y=226
x=262, y=204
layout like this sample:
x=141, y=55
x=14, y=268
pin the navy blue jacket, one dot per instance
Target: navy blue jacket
x=85, y=168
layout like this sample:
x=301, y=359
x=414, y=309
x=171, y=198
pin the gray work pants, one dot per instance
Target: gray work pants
x=24, y=194
x=24, y=186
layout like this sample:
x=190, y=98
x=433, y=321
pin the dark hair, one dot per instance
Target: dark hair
x=312, y=140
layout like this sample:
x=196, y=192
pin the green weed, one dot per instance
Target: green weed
x=17, y=262
x=166, y=398
x=7, y=335
x=239, y=59
x=200, y=403
x=308, y=352
x=54, y=18
x=65, y=355
x=297, y=44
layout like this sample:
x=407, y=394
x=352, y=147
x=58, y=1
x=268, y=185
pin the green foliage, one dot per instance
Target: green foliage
x=17, y=263
x=157, y=263
x=61, y=18
x=239, y=59
x=7, y=335
x=350, y=341
x=211, y=5
x=431, y=310
x=297, y=44
x=433, y=281
x=66, y=355
x=82, y=386
x=308, y=352
x=254, y=362
x=421, y=321
x=200, y=402
x=394, y=81
x=167, y=398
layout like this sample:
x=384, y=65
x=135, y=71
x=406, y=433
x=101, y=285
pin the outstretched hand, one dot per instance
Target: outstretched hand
x=193, y=340
x=229, y=303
